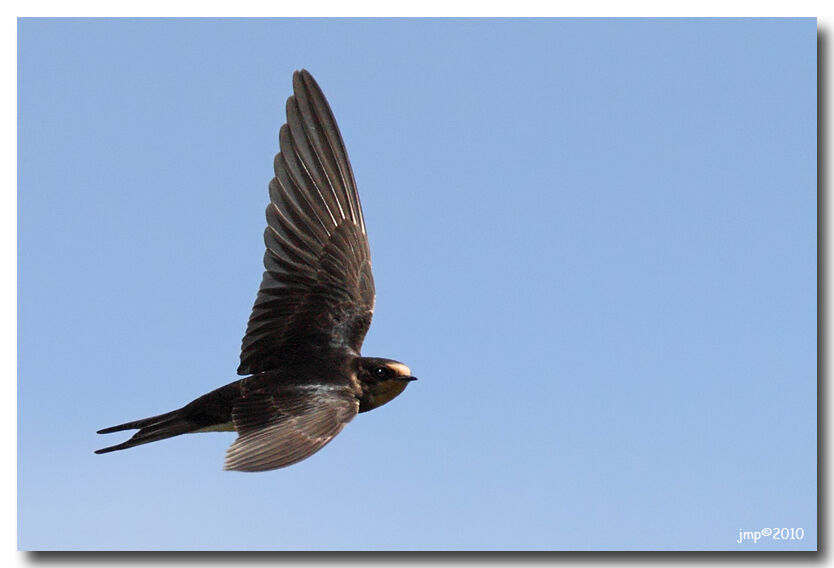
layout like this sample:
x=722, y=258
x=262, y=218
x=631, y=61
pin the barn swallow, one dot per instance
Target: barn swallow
x=306, y=379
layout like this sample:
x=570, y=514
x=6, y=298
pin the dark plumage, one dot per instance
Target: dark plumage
x=311, y=314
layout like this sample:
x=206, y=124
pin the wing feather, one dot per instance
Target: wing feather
x=317, y=293
x=316, y=110
x=282, y=429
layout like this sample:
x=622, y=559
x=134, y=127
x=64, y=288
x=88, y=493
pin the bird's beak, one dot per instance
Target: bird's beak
x=407, y=378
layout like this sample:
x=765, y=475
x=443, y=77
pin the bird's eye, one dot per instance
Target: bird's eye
x=381, y=372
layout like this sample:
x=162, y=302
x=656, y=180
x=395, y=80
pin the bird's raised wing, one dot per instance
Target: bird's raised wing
x=279, y=429
x=317, y=293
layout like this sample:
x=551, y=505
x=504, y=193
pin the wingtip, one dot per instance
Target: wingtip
x=298, y=79
x=303, y=79
x=228, y=465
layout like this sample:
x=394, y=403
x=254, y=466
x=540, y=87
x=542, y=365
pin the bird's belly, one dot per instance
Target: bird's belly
x=227, y=427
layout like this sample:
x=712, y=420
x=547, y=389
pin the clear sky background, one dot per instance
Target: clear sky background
x=594, y=241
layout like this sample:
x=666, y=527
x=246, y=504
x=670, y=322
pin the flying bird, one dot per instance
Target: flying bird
x=301, y=352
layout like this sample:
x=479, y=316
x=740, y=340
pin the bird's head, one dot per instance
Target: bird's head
x=382, y=380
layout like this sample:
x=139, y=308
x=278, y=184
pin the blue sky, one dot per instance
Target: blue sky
x=594, y=241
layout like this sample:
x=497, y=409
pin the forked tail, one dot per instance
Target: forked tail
x=150, y=430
